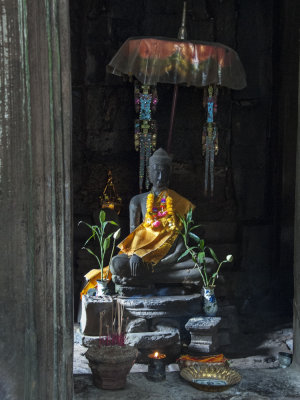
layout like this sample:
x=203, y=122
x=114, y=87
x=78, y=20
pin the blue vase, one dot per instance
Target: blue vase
x=210, y=306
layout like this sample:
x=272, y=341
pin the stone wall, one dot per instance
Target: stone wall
x=35, y=195
x=239, y=219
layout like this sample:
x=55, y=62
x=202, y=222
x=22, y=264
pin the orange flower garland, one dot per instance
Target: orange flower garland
x=163, y=219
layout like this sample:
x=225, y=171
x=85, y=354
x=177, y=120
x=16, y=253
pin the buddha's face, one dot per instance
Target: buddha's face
x=159, y=175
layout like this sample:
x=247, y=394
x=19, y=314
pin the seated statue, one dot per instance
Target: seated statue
x=149, y=254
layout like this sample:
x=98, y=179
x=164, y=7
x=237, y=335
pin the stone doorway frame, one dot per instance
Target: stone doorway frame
x=36, y=203
x=296, y=303
x=36, y=347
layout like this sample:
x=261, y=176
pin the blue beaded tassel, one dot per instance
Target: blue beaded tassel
x=210, y=137
x=145, y=131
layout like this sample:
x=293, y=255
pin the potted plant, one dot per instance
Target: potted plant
x=111, y=360
x=198, y=252
x=99, y=234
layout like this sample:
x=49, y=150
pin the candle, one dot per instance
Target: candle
x=157, y=355
x=156, y=367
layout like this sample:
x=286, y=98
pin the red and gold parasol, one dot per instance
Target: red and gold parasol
x=153, y=60
x=193, y=63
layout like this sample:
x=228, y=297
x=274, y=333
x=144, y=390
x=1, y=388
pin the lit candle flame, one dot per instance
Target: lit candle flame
x=156, y=354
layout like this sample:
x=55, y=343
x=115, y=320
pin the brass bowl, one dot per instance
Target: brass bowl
x=192, y=363
x=211, y=378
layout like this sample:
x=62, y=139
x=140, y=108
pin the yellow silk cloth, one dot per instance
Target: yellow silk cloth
x=92, y=277
x=153, y=244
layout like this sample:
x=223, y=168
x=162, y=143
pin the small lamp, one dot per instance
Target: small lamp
x=156, y=367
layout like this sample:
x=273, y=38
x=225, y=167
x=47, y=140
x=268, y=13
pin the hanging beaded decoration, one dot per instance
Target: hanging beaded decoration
x=145, y=130
x=210, y=146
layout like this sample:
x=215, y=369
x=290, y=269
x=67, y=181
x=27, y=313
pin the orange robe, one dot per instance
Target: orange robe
x=154, y=244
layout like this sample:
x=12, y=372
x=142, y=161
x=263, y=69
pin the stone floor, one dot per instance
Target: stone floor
x=253, y=353
x=256, y=384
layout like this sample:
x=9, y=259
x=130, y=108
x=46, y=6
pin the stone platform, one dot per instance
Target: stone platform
x=162, y=306
x=153, y=323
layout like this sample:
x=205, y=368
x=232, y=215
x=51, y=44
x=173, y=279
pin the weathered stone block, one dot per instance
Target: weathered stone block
x=202, y=344
x=203, y=334
x=163, y=306
x=152, y=340
x=137, y=325
x=202, y=324
x=90, y=313
x=165, y=324
x=85, y=340
x=129, y=291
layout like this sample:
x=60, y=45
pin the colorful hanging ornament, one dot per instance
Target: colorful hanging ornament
x=145, y=130
x=210, y=146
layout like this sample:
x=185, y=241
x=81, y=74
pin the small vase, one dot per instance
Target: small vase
x=110, y=365
x=102, y=289
x=210, y=306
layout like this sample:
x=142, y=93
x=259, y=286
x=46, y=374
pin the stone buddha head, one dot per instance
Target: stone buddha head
x=159, y=170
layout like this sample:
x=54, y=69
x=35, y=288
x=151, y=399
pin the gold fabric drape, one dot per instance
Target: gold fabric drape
x=150, y=244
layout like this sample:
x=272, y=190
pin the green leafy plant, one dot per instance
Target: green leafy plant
x=199, y=250
x=104, y=239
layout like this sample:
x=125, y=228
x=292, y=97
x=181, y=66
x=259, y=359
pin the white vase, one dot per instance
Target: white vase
x=102, y=289
x=210, y=306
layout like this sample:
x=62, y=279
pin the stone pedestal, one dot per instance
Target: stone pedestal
x=162, y=306
x=90, y=313
x=203, y=332
x=155, y=323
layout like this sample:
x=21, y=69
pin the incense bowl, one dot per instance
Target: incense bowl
x=110, y=365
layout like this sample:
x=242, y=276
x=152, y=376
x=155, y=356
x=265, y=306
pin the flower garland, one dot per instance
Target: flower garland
x=160, y=217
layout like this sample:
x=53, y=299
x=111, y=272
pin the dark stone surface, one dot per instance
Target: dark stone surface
x=152, y=340
x=137, y=325
x=256, y=384
x=163, y=306
x=204, y=334
x=165, y=324
x=90, y=309
x=205, y=325
x=85, y=340
x=129, y=291
x=203, y=344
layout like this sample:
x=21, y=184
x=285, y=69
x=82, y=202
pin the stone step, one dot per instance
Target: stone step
x=163, y=306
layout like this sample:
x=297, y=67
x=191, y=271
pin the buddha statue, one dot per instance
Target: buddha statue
x=149, y=254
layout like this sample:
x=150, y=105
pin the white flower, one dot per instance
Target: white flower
x=229, y=258
x=117, y=234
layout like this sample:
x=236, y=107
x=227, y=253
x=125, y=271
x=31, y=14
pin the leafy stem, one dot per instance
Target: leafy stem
x=99, y=234
x=198, y=251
